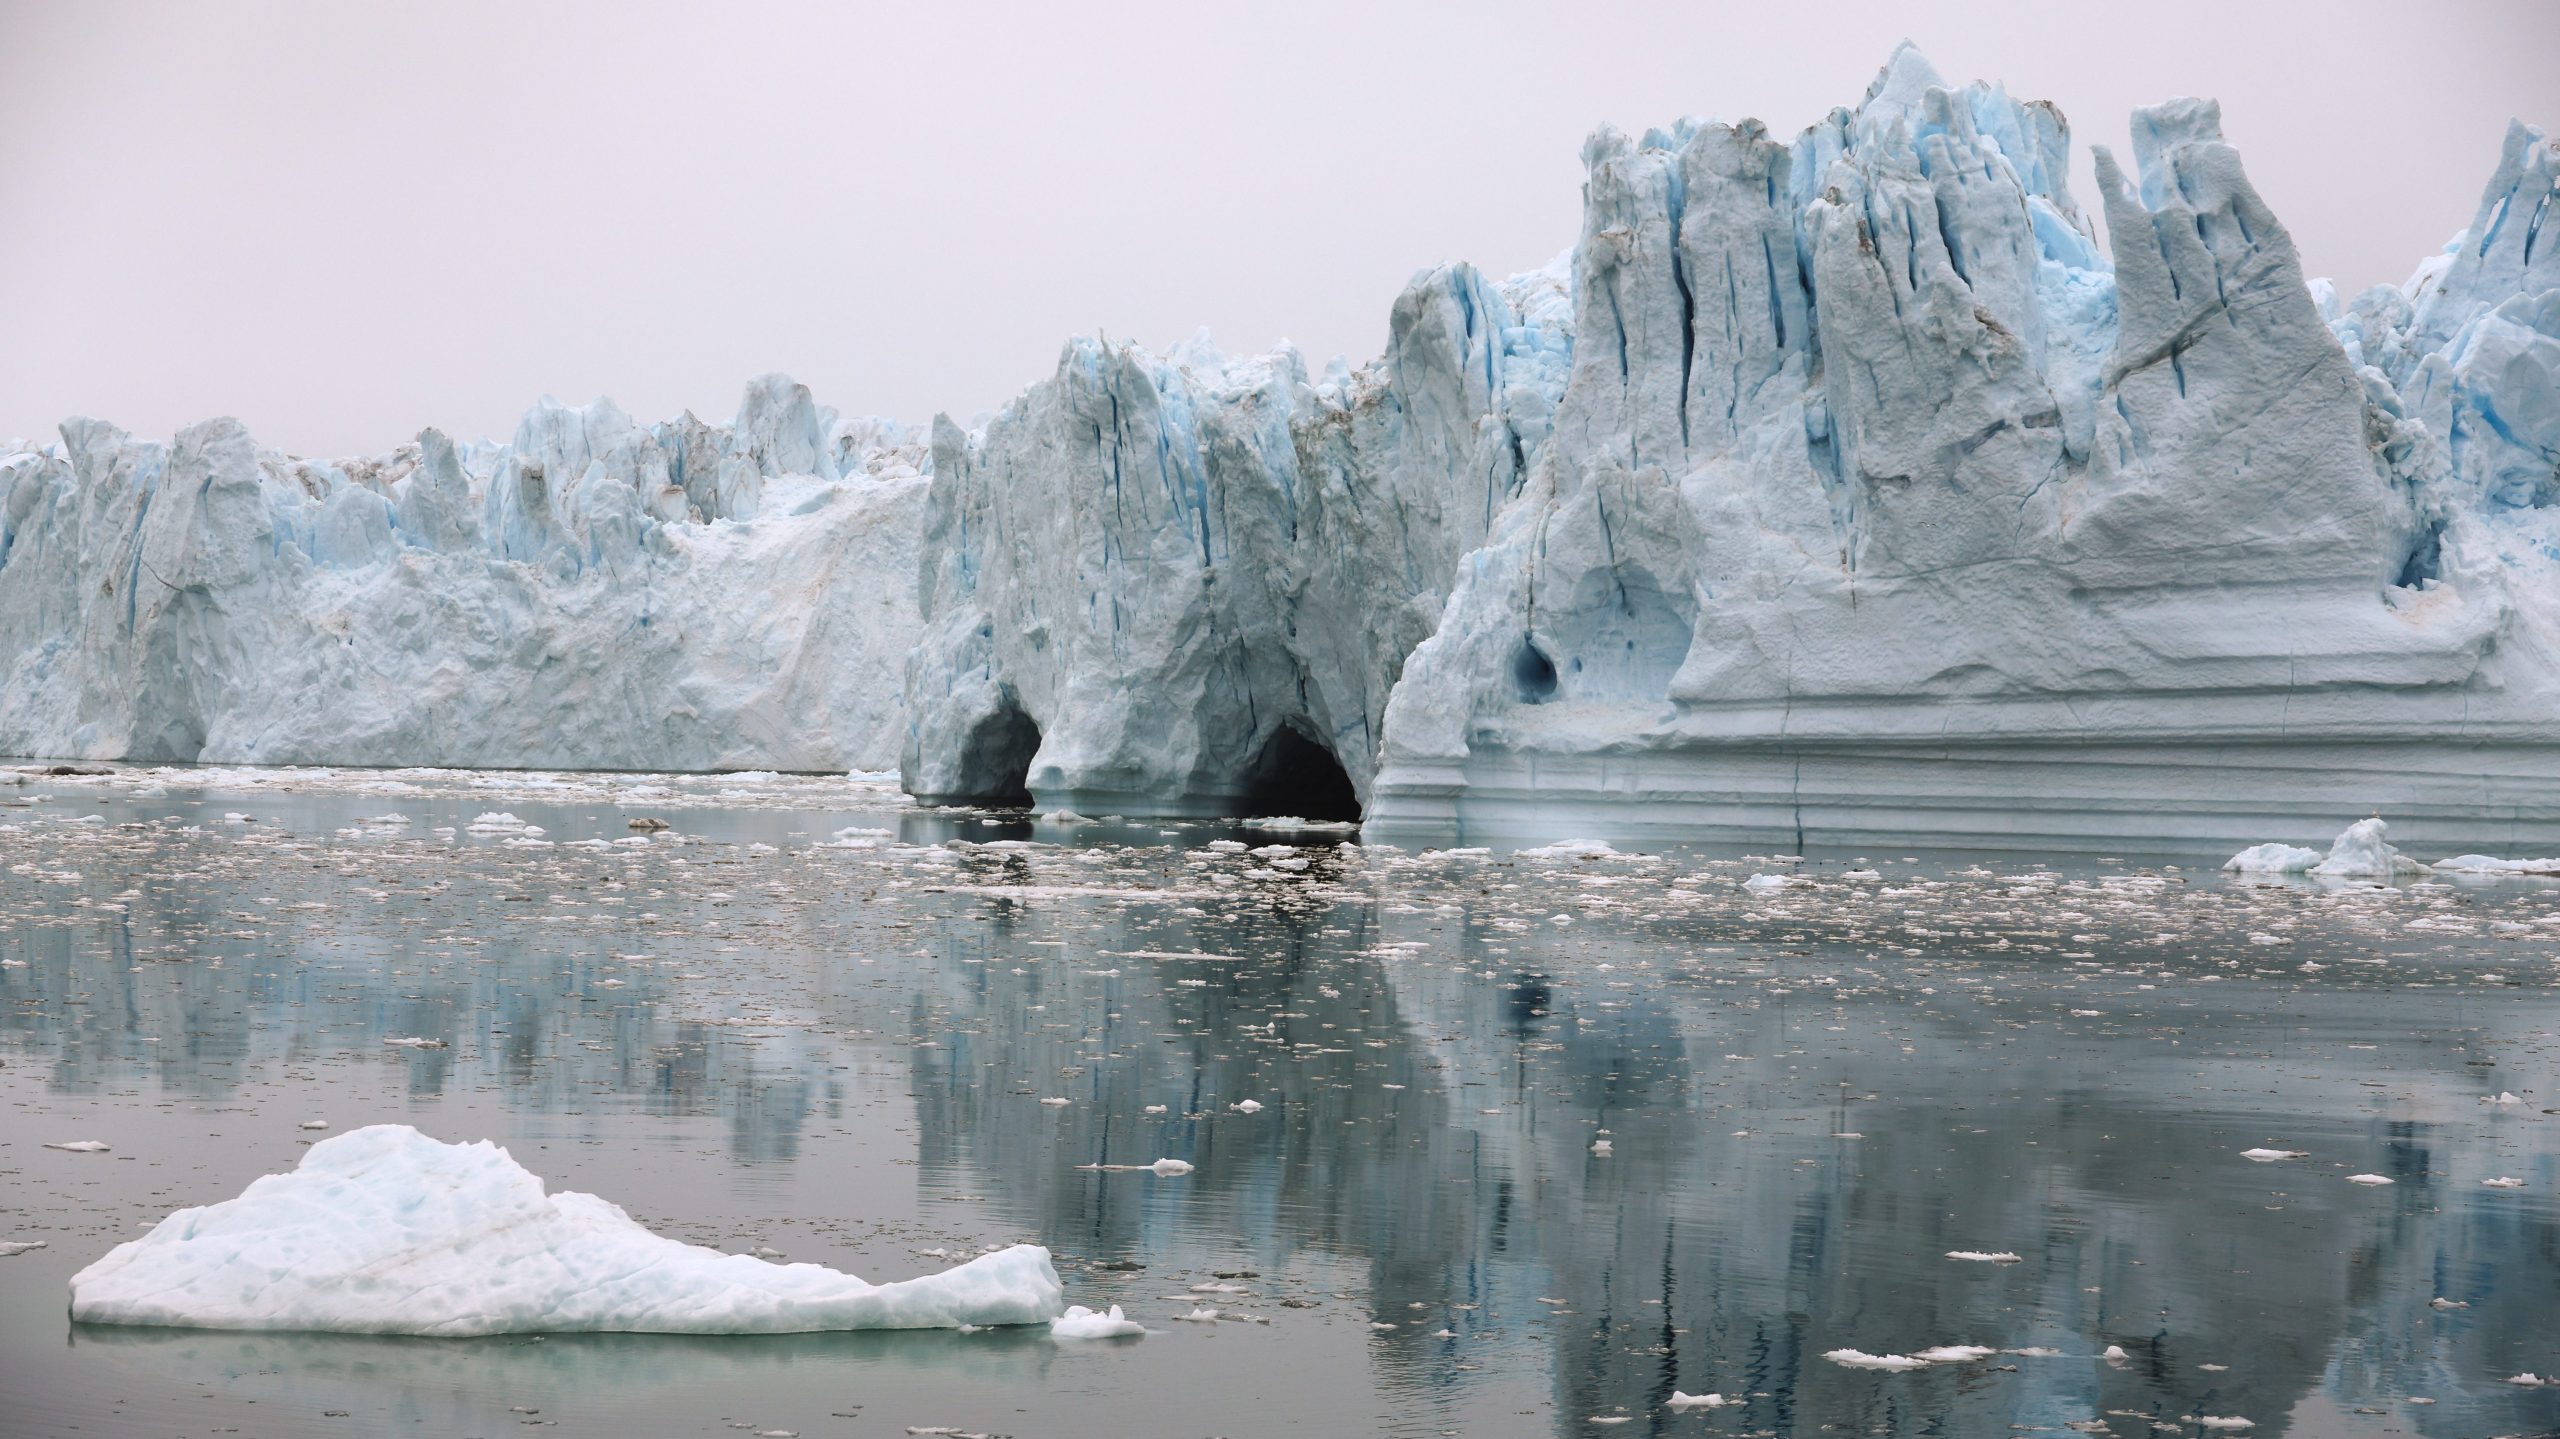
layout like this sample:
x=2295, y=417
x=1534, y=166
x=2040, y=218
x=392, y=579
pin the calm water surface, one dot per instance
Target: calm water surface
x=1541, y=1138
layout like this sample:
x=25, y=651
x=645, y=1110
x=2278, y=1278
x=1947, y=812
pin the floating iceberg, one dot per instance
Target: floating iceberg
x=2361, y=851
x=383, y=1230
x=2273, y=859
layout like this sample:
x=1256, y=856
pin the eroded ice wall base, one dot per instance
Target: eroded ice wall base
x=1881, y=504
x=596, y=594
x=1187, y=583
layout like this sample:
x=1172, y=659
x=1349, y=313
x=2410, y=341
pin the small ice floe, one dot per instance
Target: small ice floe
x=2114, y=1354
x=1082, y=1323
x=12, y=1248
x=2270, y=1156
x=2440, y=1302
x=2499, y=1100
x=1860, y=1359
x=1055, y=1101
x=313, y=1124
x=501, y=822
x=1203, y=1314
x=1979, y=1256
x=2503, y=1181
x=2490, y=864
x=2528, y=1380
x=1612, y=1419
x=1861, y=874
x=1570, y=849
x=1602, y=1148
x=1765, y=883
x=1955, y=1354
x=2369, y=1180
x=1156, y=1108
x=2035, y=1351
x=2223, y=1421
x=1679, y=1400
x=1247, y=1106
x=413, y=1042
x=1169, y=1168
x=383, y=1230
x=81, y=1146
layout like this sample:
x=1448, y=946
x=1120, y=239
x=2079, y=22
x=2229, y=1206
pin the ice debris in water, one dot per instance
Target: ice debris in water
x=2223, y=1421
x=2490, y=864
x=1248, y=1106
x=12, y=1248
x=2369, y=1180
x=1955, y=1353
x=81, y=1146
x=1679, y=1400
x=2503, y=1181
x=383, y=1230
x=2270, y=1156
x=1979, y=1256
x=1082, y=1323
x=1860, y=1359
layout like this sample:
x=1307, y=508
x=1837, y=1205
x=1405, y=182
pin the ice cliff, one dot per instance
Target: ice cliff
x=1844, y=487
x=1189, y=583
x=596, y=594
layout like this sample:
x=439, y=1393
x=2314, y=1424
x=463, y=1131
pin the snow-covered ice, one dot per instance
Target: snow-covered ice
x=384, y=1230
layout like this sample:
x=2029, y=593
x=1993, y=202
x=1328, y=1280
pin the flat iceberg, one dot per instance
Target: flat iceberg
x=383, y=1230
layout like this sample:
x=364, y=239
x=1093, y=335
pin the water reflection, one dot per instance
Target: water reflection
x=1668, y=1146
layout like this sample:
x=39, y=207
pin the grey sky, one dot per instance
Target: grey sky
x=342, y=222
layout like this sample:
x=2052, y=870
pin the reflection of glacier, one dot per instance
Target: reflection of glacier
x=1694, y=1258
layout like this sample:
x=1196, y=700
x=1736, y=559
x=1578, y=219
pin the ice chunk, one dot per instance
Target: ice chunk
x=1978, y=1256
x=384, y=1230
x=2370, y=1180
x=2269, y=1156
x=1679, y=1400
x=2273, y=859
x=1955, y=1353
x=1860, y=1359
x=81, y=1146
x=2361, y=852
x=1082, y=1323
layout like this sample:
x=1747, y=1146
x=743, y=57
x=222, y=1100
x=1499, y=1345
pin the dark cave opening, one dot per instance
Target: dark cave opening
x=1295, y=775
x=995, y=762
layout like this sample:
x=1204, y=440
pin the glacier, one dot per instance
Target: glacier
x=596, y=594
x=383, y=1230
x=1842, y=489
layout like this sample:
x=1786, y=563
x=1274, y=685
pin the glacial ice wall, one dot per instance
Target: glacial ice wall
x=595, y=594
x=1188, y=583
x=1878, y=489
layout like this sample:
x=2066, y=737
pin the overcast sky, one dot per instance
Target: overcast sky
x=341, y=222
